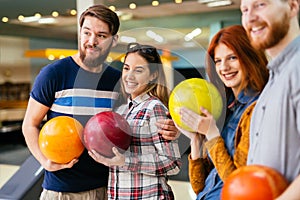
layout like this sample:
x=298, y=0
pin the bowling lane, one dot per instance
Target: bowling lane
x=6, y=172
x=12, y=155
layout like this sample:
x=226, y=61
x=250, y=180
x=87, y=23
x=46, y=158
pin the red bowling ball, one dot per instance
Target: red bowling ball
x=106, y=130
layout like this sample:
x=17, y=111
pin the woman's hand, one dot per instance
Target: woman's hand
x=204, y=124
x=117, y=160
x=188, y=134
x=196, y=142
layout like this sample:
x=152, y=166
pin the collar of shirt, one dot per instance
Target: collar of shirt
x=139, y=99
x=275, y=65
x=243, y=98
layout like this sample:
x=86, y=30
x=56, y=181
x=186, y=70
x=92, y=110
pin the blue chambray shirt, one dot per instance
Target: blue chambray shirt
x=213, y=183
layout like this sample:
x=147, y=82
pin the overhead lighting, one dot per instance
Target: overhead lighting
x=73, y=12
x=113, y=8
x=47, y=21
x=219, y=3
x=124, y=15
x=38, y=15
x=155, y=36
x=155, y=3
x=127, y=39
x=215, y=3
x=178, y=1
x=55, y=14
x=206, y=1
x=192, y=34
x=30, y=19
x=21, y=17
x=132, y=6
x=4, y=19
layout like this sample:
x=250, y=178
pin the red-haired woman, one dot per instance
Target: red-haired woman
x=234, y=64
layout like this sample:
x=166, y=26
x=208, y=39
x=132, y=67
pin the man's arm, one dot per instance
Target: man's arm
x=167, y=128
x=34, y=115
x=292, y=192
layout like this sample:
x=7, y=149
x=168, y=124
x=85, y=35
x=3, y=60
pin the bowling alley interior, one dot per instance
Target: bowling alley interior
x=34, y=33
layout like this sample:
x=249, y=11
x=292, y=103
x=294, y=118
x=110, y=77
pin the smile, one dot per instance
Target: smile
x=230, y=75
x=257, y=30
x=131, y=84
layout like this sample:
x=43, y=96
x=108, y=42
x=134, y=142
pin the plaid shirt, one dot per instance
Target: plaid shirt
x=149, y=159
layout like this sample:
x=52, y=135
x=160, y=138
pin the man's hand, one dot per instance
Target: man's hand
x=167, y=129
x=52, y=166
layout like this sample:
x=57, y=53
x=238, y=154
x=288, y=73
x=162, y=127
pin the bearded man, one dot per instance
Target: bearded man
x=273, y=25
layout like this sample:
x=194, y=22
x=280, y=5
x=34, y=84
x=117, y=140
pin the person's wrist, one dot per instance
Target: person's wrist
x=211, y=135
x=195, y=147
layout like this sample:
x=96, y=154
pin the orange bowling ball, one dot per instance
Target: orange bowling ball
x=253, y=182
x=60, y=139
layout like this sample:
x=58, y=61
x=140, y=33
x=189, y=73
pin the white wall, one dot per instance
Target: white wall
x=14, y=66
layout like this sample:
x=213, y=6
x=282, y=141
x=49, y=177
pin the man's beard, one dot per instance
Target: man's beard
x=94, y=62
x=278, y=31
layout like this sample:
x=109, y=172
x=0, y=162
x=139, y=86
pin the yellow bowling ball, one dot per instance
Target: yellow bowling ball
x=192, y=94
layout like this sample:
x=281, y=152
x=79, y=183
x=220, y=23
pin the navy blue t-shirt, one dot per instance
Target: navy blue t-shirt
x=69, y=90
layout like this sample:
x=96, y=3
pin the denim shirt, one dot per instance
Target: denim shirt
x=213, y=183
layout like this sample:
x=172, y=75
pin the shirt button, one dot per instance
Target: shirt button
x=256, y=134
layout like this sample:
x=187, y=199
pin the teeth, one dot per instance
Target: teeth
x=256, y=28
x=131, y=84
x=229, y=75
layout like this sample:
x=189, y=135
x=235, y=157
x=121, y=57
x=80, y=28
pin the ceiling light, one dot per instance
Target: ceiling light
x=113, y=8
x=219, y=3
x=126, y=16
x=192, y=34
x=20, y=17
x=47, y=21
x=4, y=19
x=38, y=15
x=51, y=57
x=109, y=59
x=73, y=12
x=127, y=39
x=155, y=3
x=132, y=6
x=55, y=14
x=215, y=3
x=30, y=19
x=155, y=36
x=178, y=1
x=206, y=1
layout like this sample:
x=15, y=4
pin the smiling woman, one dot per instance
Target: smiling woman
x=150, y=159
x=231, y=64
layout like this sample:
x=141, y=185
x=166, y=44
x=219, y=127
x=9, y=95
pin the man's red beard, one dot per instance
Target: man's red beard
x=276, y=32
